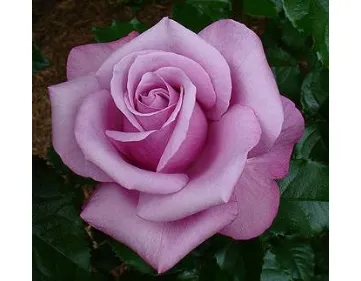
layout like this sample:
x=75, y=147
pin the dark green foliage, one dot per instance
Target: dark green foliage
x=197, y=14
x=117, y=30
x=59, y=239
x=39, y=61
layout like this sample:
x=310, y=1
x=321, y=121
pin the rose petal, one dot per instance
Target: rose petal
x=253, y=83
x=152, y=61
x=84, y=59
x=90, y=127
x=275, y=163
x=214, y=175
x=144, y=148
x=156, y=119
x=111, y=209
x=65, y=100
x=168, y=35
x=178, y=79
x=151, y=80
x=191, y=146
x=118, y=88
x=258, y=199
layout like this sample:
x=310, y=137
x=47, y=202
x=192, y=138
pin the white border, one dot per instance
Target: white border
x=345, y=140
x=15, y=77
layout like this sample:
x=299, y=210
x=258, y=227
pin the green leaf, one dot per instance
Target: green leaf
x=39, y=61
x=131, y=258
x=197, y=14
x=296, y=11
x=293, y=38
x=289, y=81
x=265, y=8
x=242, y=260
x=117, y=30
x=271, y=269
x=311, y=16
x=60, y=248
x=312, y=146
x=276, y=56
x=314, y=91
x=320, y=29
x=304, y=201
x=296, y=259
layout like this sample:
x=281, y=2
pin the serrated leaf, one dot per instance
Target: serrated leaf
x=271, y=269
x=60, y=248
x=265, y=8
x=311, y=16
x=131, y=258
x=319, y=14
x=197, y=14
x=117, y=30
x=304, y=201
x=296, y=10
x=297, y=259
x=39, y=61
x=312, y=146
x=314, y=91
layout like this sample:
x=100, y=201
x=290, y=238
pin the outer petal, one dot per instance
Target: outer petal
x=111, y=209
x=85, y=59
x=170, y=36
x=65, y=100
x=275, y=163
x=214, y=175
x=258, y=200
x=91, y=124
x=253, y=83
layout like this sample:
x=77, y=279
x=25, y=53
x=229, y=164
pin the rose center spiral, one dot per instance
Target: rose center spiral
x=155, y=98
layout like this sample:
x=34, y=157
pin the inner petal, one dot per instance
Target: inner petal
x=155, y=98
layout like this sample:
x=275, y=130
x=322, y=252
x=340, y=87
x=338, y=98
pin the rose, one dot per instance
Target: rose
x=186, y=133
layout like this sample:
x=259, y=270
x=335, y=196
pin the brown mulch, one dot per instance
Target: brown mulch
x=60, y=25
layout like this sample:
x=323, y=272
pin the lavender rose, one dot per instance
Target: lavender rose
x=185, y=132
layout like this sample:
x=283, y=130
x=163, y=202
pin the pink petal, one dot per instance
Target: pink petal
x=91, y=124
x=151, y=80
x=178, y=79
x=214, y=175
x=118, y=88
x=253, y=83
x=154, y=60
x=156, y=119
x=65, y=100
x=84, y=59
x=112, y=209
x=275, y=163
x=258, y=199
x=191, y=146
x=170, y=36
x=144, y=149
